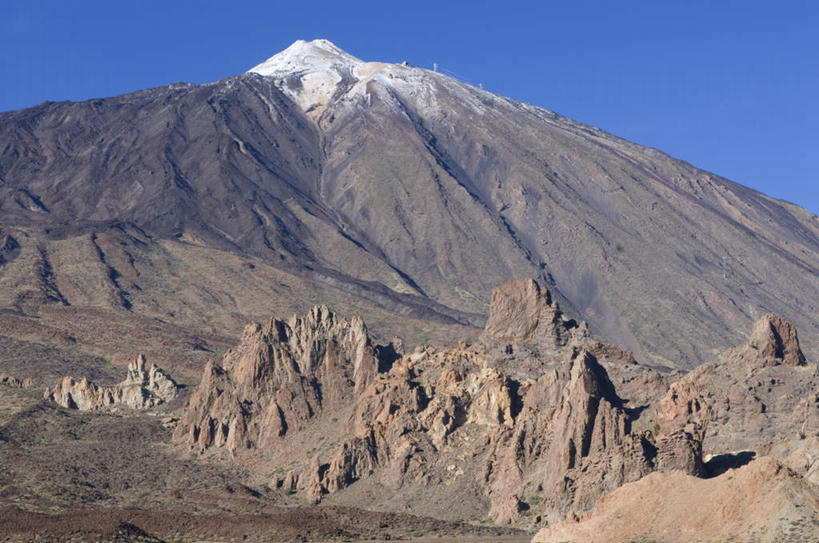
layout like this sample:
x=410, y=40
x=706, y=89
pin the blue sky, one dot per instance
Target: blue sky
x=732, y=87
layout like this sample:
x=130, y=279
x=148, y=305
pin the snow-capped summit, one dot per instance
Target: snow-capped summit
x=306, y=56
x=317, y=73
x=310, y=71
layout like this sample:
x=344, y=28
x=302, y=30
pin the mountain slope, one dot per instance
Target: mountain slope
x=419, y=193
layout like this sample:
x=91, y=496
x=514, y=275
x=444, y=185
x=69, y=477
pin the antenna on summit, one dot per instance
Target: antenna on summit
x=434, y=66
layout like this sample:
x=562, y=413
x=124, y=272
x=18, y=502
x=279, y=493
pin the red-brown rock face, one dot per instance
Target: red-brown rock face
x=277, y=379
x=571, y=442
x=562, y=440
x=521, y=310
x=777, y=342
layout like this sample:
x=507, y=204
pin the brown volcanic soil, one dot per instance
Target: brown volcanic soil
x=761, y=501
x=271, y=524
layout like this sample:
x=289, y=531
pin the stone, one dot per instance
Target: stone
x=15, y=382
x=506, y=510
x=777, y=341
x=465, y=418
x=521, y=310
x=141, y=389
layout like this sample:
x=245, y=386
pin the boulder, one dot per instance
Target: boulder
x=776, y=341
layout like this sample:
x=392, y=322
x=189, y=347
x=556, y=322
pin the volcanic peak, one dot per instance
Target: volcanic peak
x=303, y=56
x=310, y=73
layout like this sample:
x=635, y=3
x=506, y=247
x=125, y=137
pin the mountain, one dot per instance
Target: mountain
x=319, y=178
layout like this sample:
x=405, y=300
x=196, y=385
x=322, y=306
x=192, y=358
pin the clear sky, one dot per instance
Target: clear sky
x=730, y=86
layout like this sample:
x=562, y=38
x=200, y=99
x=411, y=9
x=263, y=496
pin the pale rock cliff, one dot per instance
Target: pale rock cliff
x=142, y=389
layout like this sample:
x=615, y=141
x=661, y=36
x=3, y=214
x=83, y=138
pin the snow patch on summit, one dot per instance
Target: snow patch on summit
x=314, y=74
x=304, y=56
x=310, y=72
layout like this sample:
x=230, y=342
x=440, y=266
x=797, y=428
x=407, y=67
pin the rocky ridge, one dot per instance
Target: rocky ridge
x=757, y=399
x=761, y=397
x=540, y=432
x=142, y=389
x=16, y=382
x=279, y=377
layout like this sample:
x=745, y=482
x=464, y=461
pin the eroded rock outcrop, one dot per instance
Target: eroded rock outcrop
x=571, y=442
x=142, y=389
x=761, y=397
x=449, y=418
x=281, y=376
x=523, y=311
x=776, y=341
x=15, y=382
x=306, y=399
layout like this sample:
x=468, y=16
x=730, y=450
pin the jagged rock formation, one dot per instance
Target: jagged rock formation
x=457, y=418
x=16, y=382
x=521, y=310
x=762, y=501
x=281, y=376
x=561, y=437
x=776, y=341
x=572, y=442
x=757, y=399
x=527, y=331
x=752, y=397
x=141, y=389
